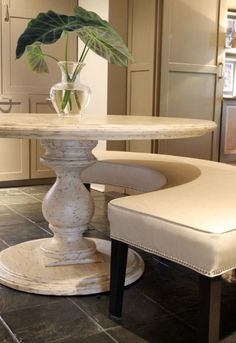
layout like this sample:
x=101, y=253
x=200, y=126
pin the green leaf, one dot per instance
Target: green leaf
x=36, y=59
x=103, y=39
x=48, y=27
x=106, y=43
x=89, y=18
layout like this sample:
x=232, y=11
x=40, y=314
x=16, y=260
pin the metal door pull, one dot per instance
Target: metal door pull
x=7, y=16
x=9, y=102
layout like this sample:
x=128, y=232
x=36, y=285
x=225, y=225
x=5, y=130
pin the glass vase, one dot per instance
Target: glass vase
x=70, y=97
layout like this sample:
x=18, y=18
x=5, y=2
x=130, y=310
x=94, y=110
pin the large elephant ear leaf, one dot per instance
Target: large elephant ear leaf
x=46, y=28
x=97, y=33
x=36, y=59
x=102, y=38
x=107, y=43
x=89, y=18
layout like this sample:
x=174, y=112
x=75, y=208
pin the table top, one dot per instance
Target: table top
x=111, y=127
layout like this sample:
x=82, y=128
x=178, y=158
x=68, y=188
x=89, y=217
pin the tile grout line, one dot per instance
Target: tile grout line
x=5, y=242
x=93, y=320
x=28, y=307
x=32, y=196
x=7, y=327
x=169, y=313
x=28, y=219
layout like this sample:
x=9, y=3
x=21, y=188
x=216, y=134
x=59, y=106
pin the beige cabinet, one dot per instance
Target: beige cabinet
x=27, y=90
x=141, y=73
x=14, y=163
x=177, y=71
x=39, y=104
x=192, y=70
x=16, y=75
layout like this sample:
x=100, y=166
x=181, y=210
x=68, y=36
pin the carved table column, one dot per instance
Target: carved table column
x=67, y=263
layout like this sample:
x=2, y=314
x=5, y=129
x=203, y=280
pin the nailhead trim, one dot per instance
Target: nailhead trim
x=172, y=258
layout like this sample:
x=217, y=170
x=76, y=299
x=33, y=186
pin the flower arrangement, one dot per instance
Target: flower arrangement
x=97, y=35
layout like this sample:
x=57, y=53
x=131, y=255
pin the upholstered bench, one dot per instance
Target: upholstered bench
x=188, y=217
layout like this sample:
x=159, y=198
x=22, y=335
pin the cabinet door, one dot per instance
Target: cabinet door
x=39, y=104
x=141, y=41
x=14, y=162
x=191, y=70
x=17, y=76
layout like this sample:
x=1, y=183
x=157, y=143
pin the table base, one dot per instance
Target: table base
x=22, y=268
x=230, y=276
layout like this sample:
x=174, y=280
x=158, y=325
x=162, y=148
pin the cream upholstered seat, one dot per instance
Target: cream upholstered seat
x=193, y=223
x=197, y=195
x=191, y=220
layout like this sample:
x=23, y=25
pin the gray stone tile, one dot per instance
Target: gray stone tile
x=17, y=233
x=39, y=196
x=33, y=211
x=5, y=336
x=166, y=286
x=161, y=330
x=93, y=233
x=99, y=338
x=11, y=218
x=3, y=245
x=137, y=309
x=41, y=189
x=123, y=335
x=17, y=199
x=53, y=322
x=229, y=339
x=10, y=191
x=12, y=300
x=4, y=209
x=45, y=226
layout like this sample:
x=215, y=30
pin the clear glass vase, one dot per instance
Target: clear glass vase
x=70, y=97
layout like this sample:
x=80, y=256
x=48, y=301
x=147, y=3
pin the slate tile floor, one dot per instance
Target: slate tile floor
x=161, y=307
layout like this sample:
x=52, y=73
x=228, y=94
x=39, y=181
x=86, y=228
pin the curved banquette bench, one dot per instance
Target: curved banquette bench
x=188, y=217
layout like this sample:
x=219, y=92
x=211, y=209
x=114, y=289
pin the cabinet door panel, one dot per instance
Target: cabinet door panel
x=140, y=97
x=183, y=99
x=39, y=104
x=14, y=163
x=17, y=76
x=192, y=55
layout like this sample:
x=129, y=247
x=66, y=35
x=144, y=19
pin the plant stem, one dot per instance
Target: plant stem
x=54, y=58
x=85, y=54
x=81, y=59
x=66, y=56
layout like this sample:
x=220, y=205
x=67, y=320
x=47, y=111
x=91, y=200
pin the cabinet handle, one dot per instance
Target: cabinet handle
x=7, y=16
x=220, y=70
x=7, y=101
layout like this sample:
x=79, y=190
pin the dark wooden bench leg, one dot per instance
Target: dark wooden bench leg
x=119, y=251
x=210, y=299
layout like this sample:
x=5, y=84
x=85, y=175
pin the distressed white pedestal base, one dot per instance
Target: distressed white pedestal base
x=230, y=276
x=22, y=268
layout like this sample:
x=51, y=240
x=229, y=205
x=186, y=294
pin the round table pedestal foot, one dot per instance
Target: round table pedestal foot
x=22, y=268
x=230, y=276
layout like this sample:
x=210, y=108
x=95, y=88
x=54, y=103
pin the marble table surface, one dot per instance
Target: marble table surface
x=112, y=127
x=68, y=263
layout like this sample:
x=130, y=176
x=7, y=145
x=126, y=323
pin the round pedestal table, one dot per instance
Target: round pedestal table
x=68, y=263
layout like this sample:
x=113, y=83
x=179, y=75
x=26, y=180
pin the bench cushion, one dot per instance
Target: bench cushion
x=118, y=169
x=191, y=220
